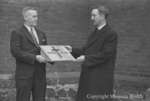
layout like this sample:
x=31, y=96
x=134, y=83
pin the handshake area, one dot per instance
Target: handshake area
x=56, y=53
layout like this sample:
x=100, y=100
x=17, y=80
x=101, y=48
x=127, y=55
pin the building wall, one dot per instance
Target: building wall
x=68, y=22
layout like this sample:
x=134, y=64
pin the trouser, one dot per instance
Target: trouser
x=35, y=85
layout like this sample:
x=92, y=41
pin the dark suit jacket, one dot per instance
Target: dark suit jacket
x=97, y=69
x=25, y=50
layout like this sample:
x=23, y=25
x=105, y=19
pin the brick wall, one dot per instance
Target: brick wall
x=68, y=23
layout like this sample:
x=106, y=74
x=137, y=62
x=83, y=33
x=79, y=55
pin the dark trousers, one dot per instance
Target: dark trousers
x=35, y=86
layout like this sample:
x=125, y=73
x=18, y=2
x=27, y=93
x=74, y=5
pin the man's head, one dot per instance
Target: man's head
x=30, y=16
x=99, y=15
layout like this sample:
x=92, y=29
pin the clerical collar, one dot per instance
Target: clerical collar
x=101, y=26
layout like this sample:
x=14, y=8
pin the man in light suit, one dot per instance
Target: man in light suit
x=98, y=57
x=30, y=74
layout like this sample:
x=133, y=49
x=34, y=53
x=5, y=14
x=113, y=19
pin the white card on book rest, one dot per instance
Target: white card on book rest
x=56, y=53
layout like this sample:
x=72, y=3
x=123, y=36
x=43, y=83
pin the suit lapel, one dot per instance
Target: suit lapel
x=38, y=34
x=96, y=35
x=28, y=36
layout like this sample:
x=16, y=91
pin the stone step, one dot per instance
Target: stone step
x=67, y=75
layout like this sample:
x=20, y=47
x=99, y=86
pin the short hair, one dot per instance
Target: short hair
x=25, y=9
x=104, y=10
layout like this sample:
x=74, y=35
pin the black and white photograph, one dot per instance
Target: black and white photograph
x=74, y=50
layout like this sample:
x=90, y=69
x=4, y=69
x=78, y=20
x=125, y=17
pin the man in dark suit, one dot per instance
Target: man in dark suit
x=30, y=74
x=98, y=57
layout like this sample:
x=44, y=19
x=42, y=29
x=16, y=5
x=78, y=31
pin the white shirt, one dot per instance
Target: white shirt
x=101, y=26
x=33, y=31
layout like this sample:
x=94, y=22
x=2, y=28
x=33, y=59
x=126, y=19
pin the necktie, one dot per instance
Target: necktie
x=33, y=36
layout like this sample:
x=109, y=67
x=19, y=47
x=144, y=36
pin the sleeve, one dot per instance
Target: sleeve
x=109, y=50
x=76, y=52
x=17, y=52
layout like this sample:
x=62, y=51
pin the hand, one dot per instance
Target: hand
x=80, y=59
x=41, y=59
x=69, y=48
